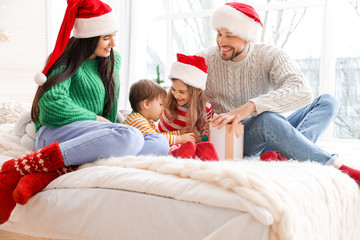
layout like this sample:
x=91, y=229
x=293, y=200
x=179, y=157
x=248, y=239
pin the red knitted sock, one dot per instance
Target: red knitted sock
x=44, y=160
x=280, y=157
x=7, y=186
x=206, y=151
x=186, y=150
x=353, y=173
x=33, y=183
x=272, y=156
x=268, y=156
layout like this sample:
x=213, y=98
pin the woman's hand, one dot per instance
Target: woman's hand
x=101, y=119
x=234, y=117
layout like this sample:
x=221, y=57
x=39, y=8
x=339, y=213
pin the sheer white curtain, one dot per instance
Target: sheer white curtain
x=131, y=44
x=24, y=53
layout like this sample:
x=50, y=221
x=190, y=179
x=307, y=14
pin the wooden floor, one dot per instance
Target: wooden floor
x=5, y=235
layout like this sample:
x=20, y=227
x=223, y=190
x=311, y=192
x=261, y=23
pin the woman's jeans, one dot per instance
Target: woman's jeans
x=86, y=141
x=295, y=136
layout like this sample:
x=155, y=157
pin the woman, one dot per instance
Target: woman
x=75, y=107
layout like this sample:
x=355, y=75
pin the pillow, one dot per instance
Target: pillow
x=11, y=111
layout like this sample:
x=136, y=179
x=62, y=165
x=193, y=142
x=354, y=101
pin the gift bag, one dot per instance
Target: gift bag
x=228, y=145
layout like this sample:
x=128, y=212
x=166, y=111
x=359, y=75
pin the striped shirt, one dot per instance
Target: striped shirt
x=166, y=125
x=138, y=121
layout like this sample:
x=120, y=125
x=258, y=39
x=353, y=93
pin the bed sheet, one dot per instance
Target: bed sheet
x=96, y=213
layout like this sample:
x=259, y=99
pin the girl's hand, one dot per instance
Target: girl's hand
x=234, y=117
x=185, y=137
x=206, y=127
x=197, y=135
x=198, y=139
x=101, y=119
x=184, y=130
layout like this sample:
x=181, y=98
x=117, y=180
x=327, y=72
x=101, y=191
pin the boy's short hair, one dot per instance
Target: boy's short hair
x=144, y=89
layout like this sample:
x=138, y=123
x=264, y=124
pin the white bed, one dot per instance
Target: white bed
x=110, y=209
x=167, y=198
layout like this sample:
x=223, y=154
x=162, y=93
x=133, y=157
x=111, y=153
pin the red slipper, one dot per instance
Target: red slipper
x=206, y=151
x=185, y=150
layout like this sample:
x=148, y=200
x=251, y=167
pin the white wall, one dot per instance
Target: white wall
x=34, y=27
x=26, y=53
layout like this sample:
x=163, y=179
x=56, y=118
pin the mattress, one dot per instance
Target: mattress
x=106, y=202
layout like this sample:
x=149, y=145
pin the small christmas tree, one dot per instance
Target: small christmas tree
x=158, y=80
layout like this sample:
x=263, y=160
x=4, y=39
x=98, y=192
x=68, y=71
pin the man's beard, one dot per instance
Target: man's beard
x=236, y=54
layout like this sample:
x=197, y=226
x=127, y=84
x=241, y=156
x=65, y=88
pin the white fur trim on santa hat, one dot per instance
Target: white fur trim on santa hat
x=96, y=26
x=189, y=74
x=237, y=23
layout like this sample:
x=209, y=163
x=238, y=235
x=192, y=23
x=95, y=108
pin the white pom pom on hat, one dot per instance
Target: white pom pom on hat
x=89, y=18
x=40, y=78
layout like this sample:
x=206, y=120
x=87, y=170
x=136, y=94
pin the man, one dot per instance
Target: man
x=253, y=83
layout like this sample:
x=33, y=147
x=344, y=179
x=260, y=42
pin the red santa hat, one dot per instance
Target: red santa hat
x=87, y=18
x=192, y=70
x=241, y=19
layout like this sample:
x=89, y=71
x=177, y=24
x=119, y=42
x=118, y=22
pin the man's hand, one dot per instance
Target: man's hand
x=234, y=116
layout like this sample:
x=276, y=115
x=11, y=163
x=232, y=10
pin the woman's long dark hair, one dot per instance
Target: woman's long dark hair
x=76, y=51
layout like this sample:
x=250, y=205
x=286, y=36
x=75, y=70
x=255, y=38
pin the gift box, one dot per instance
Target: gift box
x=229, y=145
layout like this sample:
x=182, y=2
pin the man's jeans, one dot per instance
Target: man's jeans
x=86, y=141
x=295, y=136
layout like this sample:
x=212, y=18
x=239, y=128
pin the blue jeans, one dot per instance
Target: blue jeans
x=295, y=136
x=86, y=141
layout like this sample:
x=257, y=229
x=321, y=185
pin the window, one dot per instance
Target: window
x=327, y=51
x=347, y=66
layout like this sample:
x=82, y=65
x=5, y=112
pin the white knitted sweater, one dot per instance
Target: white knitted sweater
x=266, y=76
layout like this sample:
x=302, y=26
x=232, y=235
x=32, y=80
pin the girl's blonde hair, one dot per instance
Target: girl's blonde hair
x=195, y=115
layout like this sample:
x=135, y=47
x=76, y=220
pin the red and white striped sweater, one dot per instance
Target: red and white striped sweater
x=166, y=125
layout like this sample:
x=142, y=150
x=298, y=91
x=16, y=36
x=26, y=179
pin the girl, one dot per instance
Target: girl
x=186, y=106
x=75, y=107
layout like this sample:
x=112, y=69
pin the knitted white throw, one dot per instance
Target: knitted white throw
x=306, y=200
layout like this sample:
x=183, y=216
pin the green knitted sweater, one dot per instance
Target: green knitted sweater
x=81, y=97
